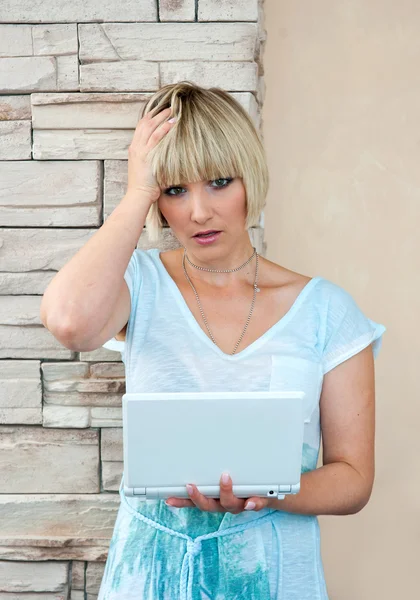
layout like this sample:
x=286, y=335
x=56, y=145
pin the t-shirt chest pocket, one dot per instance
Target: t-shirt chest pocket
x=293, y=373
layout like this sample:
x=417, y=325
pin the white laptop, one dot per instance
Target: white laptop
x=171, y=439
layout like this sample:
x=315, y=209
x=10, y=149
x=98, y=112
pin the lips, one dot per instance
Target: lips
x=204, y=233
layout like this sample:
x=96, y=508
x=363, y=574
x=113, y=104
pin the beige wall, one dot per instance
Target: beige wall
x=341, y=129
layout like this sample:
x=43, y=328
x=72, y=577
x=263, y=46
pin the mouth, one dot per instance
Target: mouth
x=208, y=233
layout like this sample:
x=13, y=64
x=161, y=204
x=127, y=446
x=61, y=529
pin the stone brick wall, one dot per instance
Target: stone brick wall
x=73, y=79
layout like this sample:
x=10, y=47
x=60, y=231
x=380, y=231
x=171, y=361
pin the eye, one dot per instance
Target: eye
x=228, y=179
x=168, y=190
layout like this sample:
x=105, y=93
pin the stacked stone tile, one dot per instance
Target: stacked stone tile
x=73, y=80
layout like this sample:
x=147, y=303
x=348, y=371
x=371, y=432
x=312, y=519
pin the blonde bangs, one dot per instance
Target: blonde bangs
x=214, y=137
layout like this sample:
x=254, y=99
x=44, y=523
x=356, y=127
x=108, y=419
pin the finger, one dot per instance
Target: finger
x=230, y=502
x=203, y=502
x=159, y=115
x=146, y=126
x=255, y=503
x=179, y=502
x=159, y=133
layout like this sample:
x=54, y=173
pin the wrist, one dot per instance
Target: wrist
x=139, y=197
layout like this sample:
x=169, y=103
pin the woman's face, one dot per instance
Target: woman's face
x=219, y=204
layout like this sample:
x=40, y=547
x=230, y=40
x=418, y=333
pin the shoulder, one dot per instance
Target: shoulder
x=286, y=285
x=325, y=299
x=334, y=299
x=272, y=274
x=325, y=291
x=140, y=254
x=283, y=277
x=141, y=261
x=171, y=259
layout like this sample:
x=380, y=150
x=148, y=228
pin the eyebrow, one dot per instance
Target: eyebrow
x=184, y=184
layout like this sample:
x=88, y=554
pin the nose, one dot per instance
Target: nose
x=200, y=204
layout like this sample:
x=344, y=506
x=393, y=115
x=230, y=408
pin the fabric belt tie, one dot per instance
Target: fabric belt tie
x=193, y=546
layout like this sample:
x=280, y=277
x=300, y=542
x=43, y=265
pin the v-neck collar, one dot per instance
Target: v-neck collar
x=197, y=329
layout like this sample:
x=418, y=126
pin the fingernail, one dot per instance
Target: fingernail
x=190, y=488
x=225, y=477
x=250, y=506
x=172, y=120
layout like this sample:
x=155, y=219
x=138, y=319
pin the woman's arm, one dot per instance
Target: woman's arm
x=81, y=297
x=343, y=484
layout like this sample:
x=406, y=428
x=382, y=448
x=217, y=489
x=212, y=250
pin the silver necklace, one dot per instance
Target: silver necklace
x=256, y=289
x=220, y=270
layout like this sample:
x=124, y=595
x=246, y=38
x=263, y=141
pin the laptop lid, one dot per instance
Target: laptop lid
x=171, y=439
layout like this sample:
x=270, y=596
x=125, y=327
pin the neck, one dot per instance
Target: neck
x=232, y=260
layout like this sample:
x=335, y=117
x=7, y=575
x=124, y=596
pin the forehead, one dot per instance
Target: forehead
x=187, y=162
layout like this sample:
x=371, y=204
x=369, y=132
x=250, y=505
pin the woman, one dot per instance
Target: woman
x=213, y=315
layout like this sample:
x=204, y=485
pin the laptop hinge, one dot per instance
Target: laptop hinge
x=138, y=492
x=285, y=488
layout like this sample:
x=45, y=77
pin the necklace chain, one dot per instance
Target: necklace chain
x=256, y=289
x=221, y=270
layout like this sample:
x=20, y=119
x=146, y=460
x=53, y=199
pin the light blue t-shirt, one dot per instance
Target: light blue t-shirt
x=166, y=350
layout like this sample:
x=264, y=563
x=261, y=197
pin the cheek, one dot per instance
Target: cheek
x=234, y=209
x=171, y=213
x=237, y=200
x=164, y=206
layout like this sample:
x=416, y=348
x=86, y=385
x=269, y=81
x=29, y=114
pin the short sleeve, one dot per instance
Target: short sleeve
x=131, y=277
x=347, y=330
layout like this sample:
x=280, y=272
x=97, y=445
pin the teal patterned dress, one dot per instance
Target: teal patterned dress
x=159, y=552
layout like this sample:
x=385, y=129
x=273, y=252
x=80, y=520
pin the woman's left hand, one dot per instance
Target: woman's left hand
x=226, y=503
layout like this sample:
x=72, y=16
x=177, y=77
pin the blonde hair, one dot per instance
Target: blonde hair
x=213, y=137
